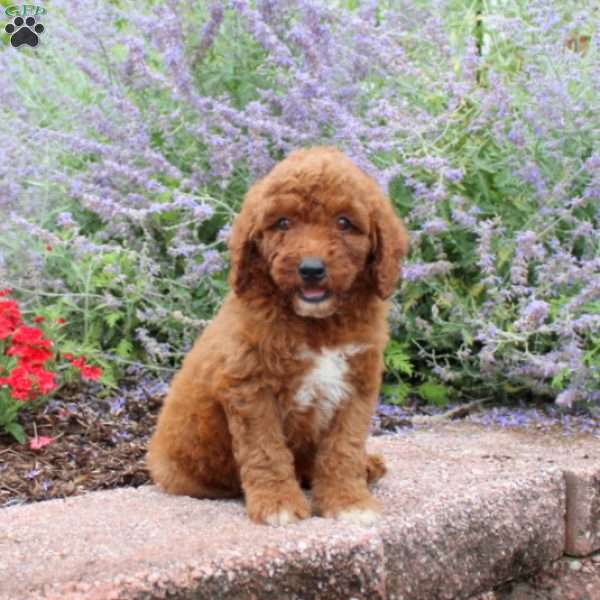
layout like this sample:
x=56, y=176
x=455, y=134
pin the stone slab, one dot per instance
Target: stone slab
x=465, y=509
x=476, y=518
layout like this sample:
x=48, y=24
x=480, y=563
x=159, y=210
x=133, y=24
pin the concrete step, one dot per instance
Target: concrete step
x=465, y=509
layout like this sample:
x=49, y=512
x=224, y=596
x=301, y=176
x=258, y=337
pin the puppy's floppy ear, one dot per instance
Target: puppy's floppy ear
x=242, y=245
x=389, y=246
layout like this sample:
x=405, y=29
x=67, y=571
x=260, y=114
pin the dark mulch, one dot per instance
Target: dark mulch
x=100, y=438
x=99, y=443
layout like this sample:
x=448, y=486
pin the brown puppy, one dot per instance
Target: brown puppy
x=280, y=388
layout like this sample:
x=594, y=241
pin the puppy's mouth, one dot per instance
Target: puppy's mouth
x=315, y=302
x=314, y=295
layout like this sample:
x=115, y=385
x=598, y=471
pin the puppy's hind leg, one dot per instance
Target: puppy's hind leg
x=190, y=452
x=376, y=468
x=173, y=480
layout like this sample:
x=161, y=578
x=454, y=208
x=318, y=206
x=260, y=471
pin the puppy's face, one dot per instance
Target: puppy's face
x=315, y=231
x=316, y=245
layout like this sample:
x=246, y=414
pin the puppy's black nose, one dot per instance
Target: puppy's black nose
x=312, y=268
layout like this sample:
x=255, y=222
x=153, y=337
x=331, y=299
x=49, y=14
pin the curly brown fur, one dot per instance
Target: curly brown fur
x=280, y=388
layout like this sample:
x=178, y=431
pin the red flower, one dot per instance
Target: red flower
x=68, y=356
x=5, y=292
x=27, y=381
x=49, y=247
x=20, y=384
x=29, y=344
x=39, y=319
x=79, y=362
x=10, y=318
x=60, y=321
x=30, y=354
x=29, y=378
x=39, y=442
x=45, y=380
x=31, y=336
x=87, y=371
x=93, y=373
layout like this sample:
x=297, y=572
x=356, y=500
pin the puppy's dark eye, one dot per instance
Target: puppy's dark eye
x=283, y=224
x=343, y=224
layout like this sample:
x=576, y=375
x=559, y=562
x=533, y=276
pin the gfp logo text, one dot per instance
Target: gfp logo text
x=25, y=10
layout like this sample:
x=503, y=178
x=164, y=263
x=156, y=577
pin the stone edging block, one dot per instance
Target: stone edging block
x=583, y=511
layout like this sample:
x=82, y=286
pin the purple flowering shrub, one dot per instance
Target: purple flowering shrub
x=151, y=120
x=503, y=294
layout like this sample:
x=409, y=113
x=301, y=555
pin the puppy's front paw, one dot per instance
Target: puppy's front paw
x=278, y=508
x=358, y=516
x=282, y=517
x=363, y=512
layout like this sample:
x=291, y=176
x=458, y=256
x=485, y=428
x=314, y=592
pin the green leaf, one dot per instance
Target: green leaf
x=112, y=318
x=9, y=409
x=590, y=307
x=124, y=348
x=396, y=393
x=401, y=195
x=467, y=337
x=434, y=393
x=17, y=432
x=476, y=290
x=559, y=380
x=504, y=256
x=397, y=359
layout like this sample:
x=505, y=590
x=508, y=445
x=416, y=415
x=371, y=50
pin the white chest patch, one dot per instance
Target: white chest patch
x=325, y=385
